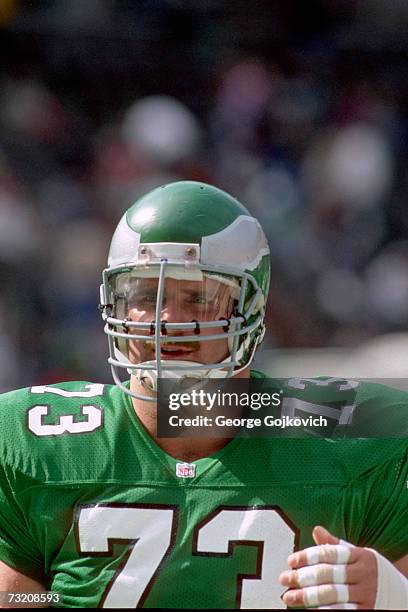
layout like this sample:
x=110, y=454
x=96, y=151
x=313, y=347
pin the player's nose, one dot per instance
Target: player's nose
x=172, y=311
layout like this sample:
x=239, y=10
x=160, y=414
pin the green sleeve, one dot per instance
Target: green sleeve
x=381, y=412
x=376, y=507
x=17, y=546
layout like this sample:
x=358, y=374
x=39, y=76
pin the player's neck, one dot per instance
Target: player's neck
x=185, y=449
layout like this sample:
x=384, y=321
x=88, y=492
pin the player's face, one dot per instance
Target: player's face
x=183, y=301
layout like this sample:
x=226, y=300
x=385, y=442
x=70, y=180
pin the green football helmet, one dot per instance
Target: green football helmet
x=191, y=249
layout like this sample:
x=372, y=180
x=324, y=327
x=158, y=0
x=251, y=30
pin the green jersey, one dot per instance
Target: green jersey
x=92, y=507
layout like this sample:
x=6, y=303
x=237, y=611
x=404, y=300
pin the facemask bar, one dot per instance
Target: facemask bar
x=232, y=327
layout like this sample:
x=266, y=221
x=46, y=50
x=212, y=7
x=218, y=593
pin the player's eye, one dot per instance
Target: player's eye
x=141, y=301
x=199, y=298
x=148, y=298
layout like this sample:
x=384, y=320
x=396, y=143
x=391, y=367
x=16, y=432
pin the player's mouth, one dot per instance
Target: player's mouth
x=173, y=351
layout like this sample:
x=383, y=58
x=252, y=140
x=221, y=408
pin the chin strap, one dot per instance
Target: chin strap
x=148, y=378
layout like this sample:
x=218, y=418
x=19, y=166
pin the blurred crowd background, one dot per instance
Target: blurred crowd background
x=297, y=108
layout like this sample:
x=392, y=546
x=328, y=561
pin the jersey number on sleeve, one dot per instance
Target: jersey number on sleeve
x=66, y=423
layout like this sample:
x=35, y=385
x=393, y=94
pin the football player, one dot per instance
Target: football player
x=97, y=510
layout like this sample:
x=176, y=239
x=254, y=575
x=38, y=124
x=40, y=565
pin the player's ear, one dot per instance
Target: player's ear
x=322, y=536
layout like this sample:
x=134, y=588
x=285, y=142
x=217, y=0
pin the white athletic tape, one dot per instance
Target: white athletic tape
x=345, y=606
x=311, y=596
x=339, y=574
x=307, y=576
x=326, y=594
x=313, y=555
x=328, y=553
x=346, y=543
x=392, y=586
x=323, y=573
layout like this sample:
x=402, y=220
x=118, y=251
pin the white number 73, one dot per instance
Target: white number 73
x=150, y=532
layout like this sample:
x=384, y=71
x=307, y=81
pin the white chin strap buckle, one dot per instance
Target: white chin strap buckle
x=198, y=374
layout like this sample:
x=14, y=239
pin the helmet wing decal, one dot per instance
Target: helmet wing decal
x=124, y=246
x=243, y=235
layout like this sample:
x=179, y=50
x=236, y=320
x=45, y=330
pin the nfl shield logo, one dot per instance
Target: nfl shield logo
x=185, y=470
